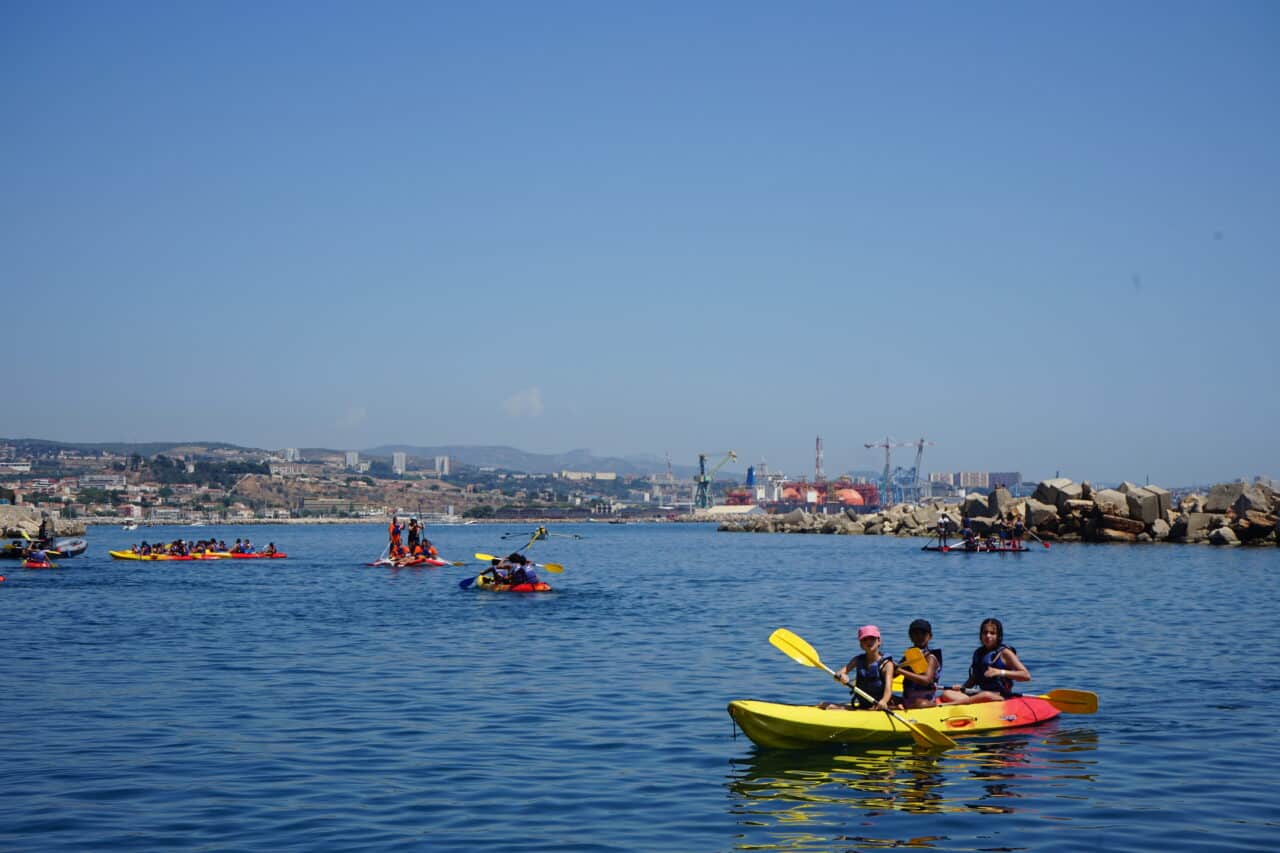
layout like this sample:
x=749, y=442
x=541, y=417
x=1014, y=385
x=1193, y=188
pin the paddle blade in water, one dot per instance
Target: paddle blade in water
x=795, y=648
x=928, y=736
x=554, y=568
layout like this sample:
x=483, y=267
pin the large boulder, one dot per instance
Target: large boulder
x=1222, y=496
x=983, y=524
x=1253, y=525
x=974, y=505
x=1040, y=514
x=999, y=502
x=1160, y=529
x=1126, y=487
x=1047, y=491
x=1253, y=498
x=1163, y=499
x=796, y=516
x=1144, y=506
x=1191, y=527
x=925, y=516
x=1193, y=502
x=1223, y=536
x=1068, y=493
x=1111, y=501
x=1119, y=522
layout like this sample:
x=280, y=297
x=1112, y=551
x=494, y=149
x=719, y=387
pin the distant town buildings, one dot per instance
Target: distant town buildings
x=353, y=459
x=291, y=454
x=442, y=466
x=1004, y=479
x=974, y=480
x=398, y=462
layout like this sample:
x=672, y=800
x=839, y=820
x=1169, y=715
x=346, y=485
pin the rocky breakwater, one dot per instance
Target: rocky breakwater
x=1061, y=510
x=18, y=520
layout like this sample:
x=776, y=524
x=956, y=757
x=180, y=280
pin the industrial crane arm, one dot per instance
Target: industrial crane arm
x=730, y=456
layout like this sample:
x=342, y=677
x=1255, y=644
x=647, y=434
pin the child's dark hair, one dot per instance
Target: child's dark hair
x=998, y=626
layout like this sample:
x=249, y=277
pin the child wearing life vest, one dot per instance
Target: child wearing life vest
x=873, y=673
x=993, y=670
x=393, y=533
x=921, y=668
x=522, y=570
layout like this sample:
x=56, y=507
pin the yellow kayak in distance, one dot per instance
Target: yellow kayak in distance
x=134, y=555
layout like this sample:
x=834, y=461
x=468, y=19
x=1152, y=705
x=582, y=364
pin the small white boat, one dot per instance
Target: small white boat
x=129, y=525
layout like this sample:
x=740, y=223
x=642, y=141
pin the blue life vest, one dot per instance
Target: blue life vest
x=982, y=661
x=912, y=690
x=870, y=679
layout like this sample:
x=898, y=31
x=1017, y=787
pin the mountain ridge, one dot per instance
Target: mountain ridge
x=481, y=456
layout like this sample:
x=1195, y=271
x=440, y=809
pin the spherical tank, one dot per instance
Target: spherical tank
x=849, y=497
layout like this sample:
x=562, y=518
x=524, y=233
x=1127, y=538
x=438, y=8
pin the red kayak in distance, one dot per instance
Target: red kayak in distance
x=408, y=562
x=37, y=564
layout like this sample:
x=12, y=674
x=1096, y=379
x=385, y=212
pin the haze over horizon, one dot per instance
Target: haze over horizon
x=1043, y=238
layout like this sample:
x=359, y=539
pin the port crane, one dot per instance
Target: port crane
x=919, y=477
x=702, y=481
x=886, y=495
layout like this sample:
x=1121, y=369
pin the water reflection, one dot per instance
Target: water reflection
x=774, y=793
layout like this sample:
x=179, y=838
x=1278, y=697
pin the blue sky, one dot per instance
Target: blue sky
x=1043, y=236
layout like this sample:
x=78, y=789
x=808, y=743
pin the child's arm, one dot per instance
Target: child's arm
x=1013, y=668
x=842, y=674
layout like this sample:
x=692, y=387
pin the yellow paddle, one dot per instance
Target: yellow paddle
x=1073, y=701
x=554, y=568
x=913, y=659
x=799, y=651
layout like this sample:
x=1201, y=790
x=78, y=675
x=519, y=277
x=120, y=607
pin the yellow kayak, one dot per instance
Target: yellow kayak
x=134, y=555
x=779, y=726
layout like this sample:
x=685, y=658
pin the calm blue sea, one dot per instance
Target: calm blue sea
x=315, y=703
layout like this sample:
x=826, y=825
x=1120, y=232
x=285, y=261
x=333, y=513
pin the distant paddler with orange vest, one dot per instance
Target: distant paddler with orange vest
x=393, y=532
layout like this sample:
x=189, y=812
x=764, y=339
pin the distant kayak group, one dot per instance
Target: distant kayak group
x=205, y=549
x=408, y=547
x=1005, y=538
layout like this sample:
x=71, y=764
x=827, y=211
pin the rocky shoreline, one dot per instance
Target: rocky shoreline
x=15, y=521
x=1063, y=511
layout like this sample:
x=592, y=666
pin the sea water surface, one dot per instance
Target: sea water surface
x=318, y=703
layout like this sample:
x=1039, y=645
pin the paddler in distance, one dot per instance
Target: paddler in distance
x=393, y=534
x=944, y=527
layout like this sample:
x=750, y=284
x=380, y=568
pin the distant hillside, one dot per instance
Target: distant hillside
x=511, y=459
x=481, y=456
x=121, y=448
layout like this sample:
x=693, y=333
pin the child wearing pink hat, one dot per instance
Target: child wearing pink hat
x=873, y=673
